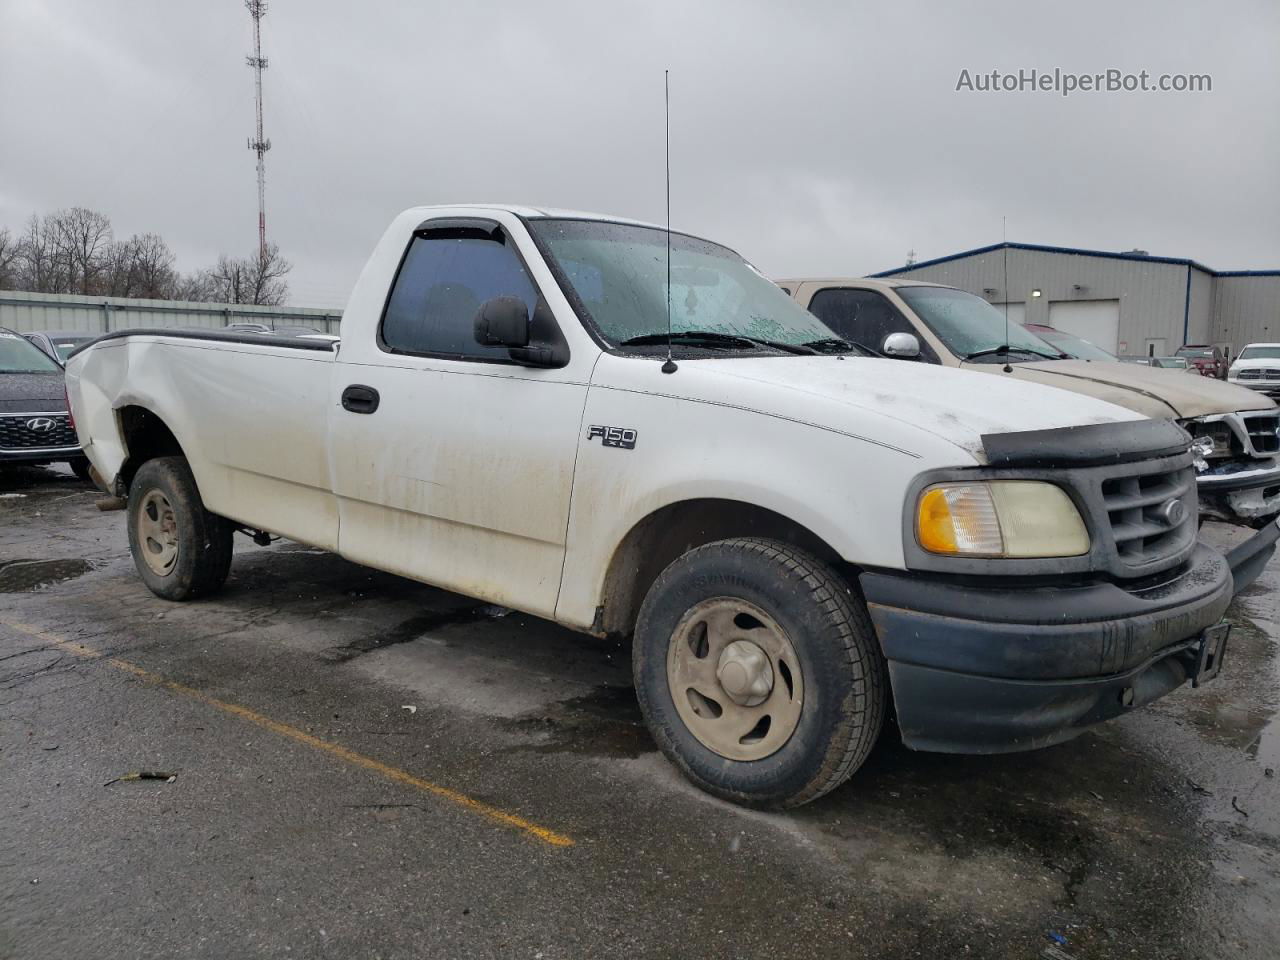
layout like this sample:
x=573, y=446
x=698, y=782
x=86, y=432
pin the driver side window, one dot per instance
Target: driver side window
x=445, y=276
x=864, y=317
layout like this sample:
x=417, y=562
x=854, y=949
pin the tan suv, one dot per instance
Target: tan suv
x=1236, y=431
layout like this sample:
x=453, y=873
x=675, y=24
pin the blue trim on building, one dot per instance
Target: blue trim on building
x=1077, y=252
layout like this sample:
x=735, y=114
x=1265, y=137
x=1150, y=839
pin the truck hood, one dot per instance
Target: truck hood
x=31, y=392
x=886, y=401
x=1151, y=391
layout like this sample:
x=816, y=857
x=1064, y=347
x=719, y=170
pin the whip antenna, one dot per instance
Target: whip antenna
x=670, y=365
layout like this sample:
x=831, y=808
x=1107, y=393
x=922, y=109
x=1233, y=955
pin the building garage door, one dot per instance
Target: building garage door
x=1017, y=311
x=1097, y=321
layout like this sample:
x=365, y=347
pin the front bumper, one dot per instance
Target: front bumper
x=1241, y=492
x=978, y=669
x=39, y=455
x=1248, y=559
x=1269, y=387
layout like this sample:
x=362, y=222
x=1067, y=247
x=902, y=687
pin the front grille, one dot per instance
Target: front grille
x=1153, y=515
x=28, y=431
x=1259, y=373
x=1262, y=433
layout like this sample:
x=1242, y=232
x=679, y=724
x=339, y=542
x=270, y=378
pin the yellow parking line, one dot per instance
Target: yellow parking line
x=301, y=736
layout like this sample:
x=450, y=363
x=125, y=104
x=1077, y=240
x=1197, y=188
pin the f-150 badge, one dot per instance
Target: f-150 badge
x=622, y=437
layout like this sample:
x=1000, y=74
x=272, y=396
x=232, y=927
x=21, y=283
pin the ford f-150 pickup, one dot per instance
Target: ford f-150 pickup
x=552, y=412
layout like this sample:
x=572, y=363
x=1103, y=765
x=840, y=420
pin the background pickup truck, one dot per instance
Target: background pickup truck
x=791, y=530
x=1237, y=432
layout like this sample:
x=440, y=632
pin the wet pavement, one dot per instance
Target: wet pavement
x=367, y=767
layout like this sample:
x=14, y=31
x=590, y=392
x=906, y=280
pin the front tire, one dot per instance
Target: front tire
x=759, y=673
x=181, y=550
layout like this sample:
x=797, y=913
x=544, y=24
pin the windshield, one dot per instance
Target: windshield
x=1260, y=353
x=1075, y=346
x=1195, y=352
x=19, y=355
x=64, y=345
x=969, y=325
x=619, y=273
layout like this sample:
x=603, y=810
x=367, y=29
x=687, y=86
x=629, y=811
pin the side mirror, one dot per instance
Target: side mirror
x=502, y=322
x=902, y=345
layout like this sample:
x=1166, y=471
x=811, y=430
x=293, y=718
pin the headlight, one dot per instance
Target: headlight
x=1000, y=518
x=1217, y=433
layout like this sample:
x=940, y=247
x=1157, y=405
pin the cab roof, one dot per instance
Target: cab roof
x=529, y=212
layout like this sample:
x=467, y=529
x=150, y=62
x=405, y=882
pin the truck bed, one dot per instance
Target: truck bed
x=263, y=459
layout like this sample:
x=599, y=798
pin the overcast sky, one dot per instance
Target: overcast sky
x=815, y=138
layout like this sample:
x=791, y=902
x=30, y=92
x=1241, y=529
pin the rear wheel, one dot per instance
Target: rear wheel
x=80, y=467
x=181, y=550
x=759, y=672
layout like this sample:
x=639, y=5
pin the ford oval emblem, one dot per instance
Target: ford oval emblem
x=41, y=424
x=1172, y=512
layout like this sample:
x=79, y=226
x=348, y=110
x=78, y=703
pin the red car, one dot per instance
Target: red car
x=1206, y=358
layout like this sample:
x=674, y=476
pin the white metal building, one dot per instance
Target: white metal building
x=1128, y=303
x=27, y=312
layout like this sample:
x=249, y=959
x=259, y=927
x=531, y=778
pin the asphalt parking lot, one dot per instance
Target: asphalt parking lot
x=360, y=766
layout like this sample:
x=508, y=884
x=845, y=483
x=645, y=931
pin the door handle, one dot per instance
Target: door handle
x=358, y=398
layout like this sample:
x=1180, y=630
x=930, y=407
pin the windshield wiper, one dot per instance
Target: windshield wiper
x=836, y=345
x=1005, y=349
x=714, y=336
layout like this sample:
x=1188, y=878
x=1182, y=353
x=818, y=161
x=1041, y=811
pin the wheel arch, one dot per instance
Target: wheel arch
x=145, y=435
x=670, y=531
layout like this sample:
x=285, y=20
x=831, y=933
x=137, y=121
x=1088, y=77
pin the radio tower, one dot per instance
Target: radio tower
x=259, y=145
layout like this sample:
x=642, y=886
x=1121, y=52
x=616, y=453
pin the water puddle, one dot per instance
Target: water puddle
x=413, y=628
x=23, y=576
x=603, y=723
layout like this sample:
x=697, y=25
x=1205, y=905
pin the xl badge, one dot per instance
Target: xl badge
x=622, y=437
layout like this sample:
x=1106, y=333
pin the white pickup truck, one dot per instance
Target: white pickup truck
x=799, y=537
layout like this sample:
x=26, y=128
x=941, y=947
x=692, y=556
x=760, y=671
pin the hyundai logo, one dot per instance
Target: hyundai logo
x=1172, y=512
x=42, y=425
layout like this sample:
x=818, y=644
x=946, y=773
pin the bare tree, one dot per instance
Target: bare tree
x=82, y=239
x=141, y=266
x=199, y=286
x=73, y=251
x=38, y=266
x=9, y=251
x=258, y=279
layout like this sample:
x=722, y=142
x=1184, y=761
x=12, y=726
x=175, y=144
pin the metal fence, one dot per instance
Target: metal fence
x=28, y=312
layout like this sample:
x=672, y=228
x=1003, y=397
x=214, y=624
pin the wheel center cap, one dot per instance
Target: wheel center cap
x=745, y=673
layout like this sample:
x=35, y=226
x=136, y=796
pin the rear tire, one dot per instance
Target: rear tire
x=181, y=550
x=80, y=467
x=753, y=631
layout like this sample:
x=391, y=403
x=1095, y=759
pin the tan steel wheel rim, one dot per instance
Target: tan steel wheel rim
x=735, y=679
x=158, y=533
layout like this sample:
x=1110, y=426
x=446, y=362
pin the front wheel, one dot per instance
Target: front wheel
x=758, y=672
x=181, y=550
